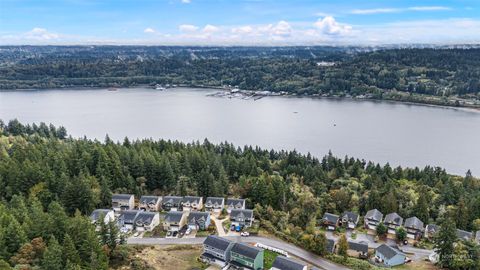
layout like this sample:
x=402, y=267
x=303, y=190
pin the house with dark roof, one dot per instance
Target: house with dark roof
x=174, y=221
x=284, y=263
x=216, y=250
x=146, y=221
x=214, y=204
x=99, y=215
x=431, y=230
x=389, y=256
x=122, y=202
x=172, y=203
x=330, y=221
x=126, y=219
x=358, y=249
x=192, y=203
x=150, y=203
x=349, y=220
x=330, y=246
x=243, y=256
x=241, y=217
x=393, y=221
x=198, y=220
x=464, y=235
x=372, y=219
x=414, y=228
x=235, y=204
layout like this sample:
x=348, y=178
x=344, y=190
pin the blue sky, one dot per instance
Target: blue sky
x=239, y=22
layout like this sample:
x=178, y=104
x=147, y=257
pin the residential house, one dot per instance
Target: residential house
x=107, y=214
x=464, y=235
x=330, y=246
x=414, y=228
x=241, y=217
x=122, y=202
x=216, y=250
x=150, y=203
x=214, y=204
x=146, y=221
x=244, y=256
x=192, y=203
x=372, y=219
x=330, y=221
x=358, y=249
x=393, y=221
x=284, y=263
x=431, y=230
x=126, y=219
x=172, y=203
x=198, y=220
x=389, y=256
x=174, y=221
x=349, y=220
x=235, y=204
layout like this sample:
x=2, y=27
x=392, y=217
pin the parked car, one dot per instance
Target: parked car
x=188, y=231
x=175, y=234
x=232, y=228
x=238, y=228
x=136, y=234
x=245, y=234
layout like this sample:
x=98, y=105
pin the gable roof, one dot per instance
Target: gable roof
x=374, y=214
x=388, y=252
x=99, y=212
x=128, y=216
x=172, y=199
x=414, y=223
x=241, y=213
x=350, y=216
x=330, y=245
x=235, y=202
x=464, y=235
x=194, y=217
x=217, y=242
x=215, y=200
x=121, y=196
x=191, y=199
x=173, y=216
x=150, y=199
x=144, y=218
x=393, y=218
x=284, y=263
x=246, y=250
x=432, y=228
x=330, y=217
x=358, y=246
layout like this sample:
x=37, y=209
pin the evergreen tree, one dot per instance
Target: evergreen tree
x=343, y=246
x=444, y=242
x=52, y=258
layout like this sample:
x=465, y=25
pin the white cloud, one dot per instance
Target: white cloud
x=188, y=28
x=149, y=30
x=247, y=29
x=282, y=28
x=209, y=29
x=328, y=25
x=186, y=1
x=40, y=34
x=397, y=10
x=429, y=8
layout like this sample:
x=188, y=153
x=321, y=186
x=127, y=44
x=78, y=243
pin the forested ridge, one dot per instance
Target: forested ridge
x=410, y=74
x=49, y=182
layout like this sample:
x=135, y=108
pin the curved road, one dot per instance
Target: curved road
x=291, y=249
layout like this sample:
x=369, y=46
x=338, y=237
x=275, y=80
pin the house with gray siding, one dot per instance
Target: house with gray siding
x=214, y=204
x=241, y=217
x=393, y=221
x=234, y=204
x=198, y=220
x=216, y=250
x=389, y=256
x=372, y=219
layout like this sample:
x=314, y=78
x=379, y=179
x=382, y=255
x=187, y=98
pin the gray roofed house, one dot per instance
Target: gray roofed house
x=431, y=230
x=150, y=203
x=174, y=220
x=241, y=217
x=192, y=203
x=198, y=220
x=414, y=227
x=372, y=219
x=107, y=214
x=123, y=202
x=393, y=221
x=284, y=263
x=171, y=203
x=233, y=203
x=243, y=255
x=216, y=250
x=358, y=249
x=214, y=204
x=349, y=219
x=464, y=235
x=330, y=245
x=390, y=256
x=126, y=218
x=147, y=221
x=330, y=221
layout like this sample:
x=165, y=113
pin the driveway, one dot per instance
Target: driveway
x=218, y=225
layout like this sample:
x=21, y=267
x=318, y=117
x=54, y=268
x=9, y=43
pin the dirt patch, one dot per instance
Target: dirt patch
x=181, y=257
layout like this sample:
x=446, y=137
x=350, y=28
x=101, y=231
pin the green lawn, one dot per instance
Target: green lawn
x=268, y=258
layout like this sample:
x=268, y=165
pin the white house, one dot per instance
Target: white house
x=146, y=221
x=107, y=214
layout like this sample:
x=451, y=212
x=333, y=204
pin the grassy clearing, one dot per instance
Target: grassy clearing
x=268, y=258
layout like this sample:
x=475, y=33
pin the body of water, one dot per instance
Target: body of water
x=402, y=134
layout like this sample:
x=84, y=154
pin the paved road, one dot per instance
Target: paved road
x=291, y=249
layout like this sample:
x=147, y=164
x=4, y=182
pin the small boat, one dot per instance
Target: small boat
x=112, y=89
x=159, y=87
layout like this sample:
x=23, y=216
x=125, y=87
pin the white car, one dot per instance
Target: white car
x=136, y=234
x=188, y=231
x=245, y=234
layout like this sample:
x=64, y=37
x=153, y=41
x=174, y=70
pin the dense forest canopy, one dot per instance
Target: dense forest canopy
x=49, y=178
x=440, y=72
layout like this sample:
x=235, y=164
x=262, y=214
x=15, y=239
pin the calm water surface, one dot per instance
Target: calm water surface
x=401, y=134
